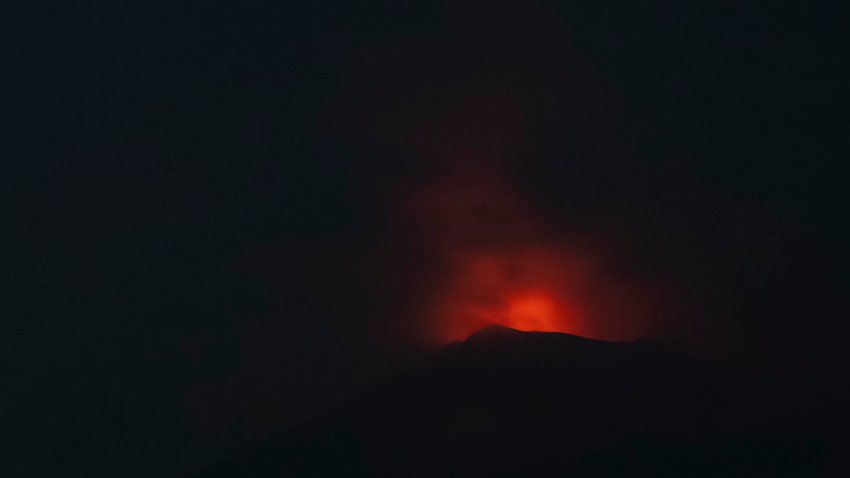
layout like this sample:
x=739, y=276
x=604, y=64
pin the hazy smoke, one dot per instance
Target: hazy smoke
x=500, y=260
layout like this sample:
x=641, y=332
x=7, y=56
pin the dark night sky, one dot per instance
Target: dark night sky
x=205, y=230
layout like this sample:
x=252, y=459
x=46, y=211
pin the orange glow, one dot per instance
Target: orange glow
x=532, y=312
x=499, y=266
x=493, y=258
x=530, y=288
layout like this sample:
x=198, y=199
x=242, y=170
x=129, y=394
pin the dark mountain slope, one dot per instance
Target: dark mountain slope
x=509, y=403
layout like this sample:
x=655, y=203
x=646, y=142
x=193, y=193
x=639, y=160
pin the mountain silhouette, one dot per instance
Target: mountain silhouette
x=505, y=403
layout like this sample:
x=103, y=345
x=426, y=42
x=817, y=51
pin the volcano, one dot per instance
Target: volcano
x=508, y=403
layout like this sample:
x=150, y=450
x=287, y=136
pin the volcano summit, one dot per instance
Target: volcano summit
x=511, y=403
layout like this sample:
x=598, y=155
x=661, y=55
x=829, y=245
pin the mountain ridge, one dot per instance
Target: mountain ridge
x=510, y=403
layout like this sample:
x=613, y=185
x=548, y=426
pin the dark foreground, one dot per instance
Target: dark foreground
x=511, y=404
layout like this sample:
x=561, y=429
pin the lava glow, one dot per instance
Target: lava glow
x=500, y=265
x=493, y=257
x=529, y=288
x=533, y=311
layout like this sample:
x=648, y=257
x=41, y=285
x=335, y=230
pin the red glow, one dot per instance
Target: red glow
x=493, y=258
x=533, y=311
x=530, y=288
x=500, y=266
